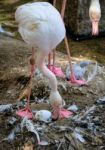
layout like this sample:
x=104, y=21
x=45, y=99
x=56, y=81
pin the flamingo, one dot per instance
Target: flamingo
x=42, y=28
x=95, y=15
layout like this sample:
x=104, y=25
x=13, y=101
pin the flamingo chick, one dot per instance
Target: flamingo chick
x=41, y=27
x=95, y=15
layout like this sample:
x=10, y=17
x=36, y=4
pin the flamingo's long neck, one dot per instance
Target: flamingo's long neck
x=95, y=4
x=94, y=1
x=46, y=71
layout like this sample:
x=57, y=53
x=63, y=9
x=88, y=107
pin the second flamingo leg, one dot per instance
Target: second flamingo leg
x=72, y=77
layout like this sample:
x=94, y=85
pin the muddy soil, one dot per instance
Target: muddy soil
x=14, y=77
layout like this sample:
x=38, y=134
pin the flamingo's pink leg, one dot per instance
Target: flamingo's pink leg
x=27, y=110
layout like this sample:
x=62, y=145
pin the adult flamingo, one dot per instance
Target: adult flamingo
x=41, y=27
x=95, y=15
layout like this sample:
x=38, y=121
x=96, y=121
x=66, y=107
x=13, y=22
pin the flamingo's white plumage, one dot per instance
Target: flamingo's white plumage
x=41, y=27
x=95, y=15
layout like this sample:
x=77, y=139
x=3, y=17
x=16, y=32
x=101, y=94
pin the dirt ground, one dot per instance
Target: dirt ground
x=14, y=76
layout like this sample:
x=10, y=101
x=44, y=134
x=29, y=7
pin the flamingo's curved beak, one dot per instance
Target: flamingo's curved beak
x=95, y=27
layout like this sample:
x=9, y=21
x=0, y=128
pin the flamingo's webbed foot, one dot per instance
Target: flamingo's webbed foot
x=77, y=82
x=60, y=113
x=57, y=71
x=26, y=112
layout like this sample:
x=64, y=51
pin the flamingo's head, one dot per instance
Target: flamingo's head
x=56, y=100
x=95, y=15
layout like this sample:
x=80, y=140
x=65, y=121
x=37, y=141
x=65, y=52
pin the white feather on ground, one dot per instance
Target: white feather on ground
x=4, y=108
x=30, y=127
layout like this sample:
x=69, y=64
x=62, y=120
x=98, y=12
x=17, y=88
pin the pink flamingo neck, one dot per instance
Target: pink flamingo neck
x=46, y=71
